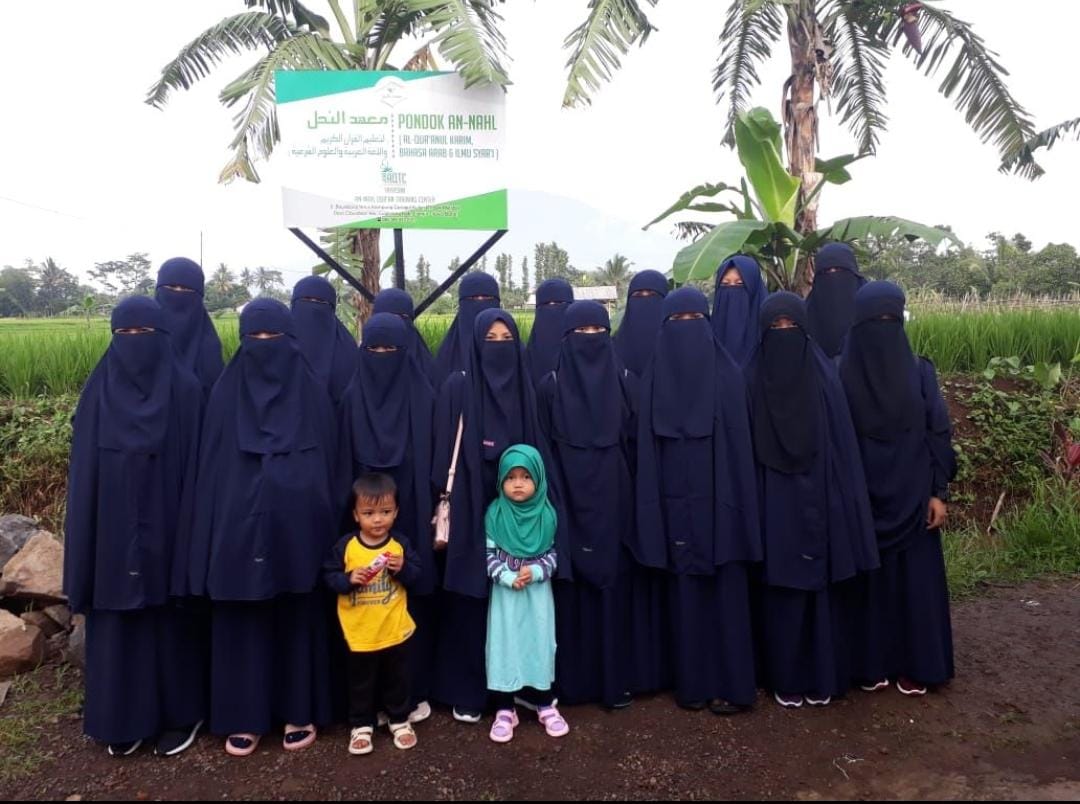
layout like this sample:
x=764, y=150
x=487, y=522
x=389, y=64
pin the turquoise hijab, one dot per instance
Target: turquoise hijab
x=524, y=529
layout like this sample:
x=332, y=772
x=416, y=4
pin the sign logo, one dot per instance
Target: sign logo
x=391, y=91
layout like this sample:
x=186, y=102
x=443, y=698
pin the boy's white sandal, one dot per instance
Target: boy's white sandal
x=360, y=741
x=402, y=732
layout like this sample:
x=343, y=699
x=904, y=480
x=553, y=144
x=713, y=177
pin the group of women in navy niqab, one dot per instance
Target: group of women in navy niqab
x=748, y=496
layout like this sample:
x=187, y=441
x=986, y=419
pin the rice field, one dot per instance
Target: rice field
x=53, y=356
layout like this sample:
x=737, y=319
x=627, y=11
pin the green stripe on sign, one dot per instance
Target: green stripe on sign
x=487, y=211
x=295, y=85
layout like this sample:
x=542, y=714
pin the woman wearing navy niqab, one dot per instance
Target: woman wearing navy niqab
x=736, y=306
x=553, y=296
x=477, y=291
x=270, y=497
x=697, y=514
x=815, y=515
x=830, y=306
x=386, y=427
x=586, y=411
x=323, y=339
x=131, y=485
x=901, y=611
x=180, y=284
x=397, y=302
x=495, y=401
x=644, y=311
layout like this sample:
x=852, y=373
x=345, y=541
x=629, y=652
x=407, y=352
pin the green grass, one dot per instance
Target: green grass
x=965, y=341
x=35, y=704
x=56, y=355
x=1039, y=537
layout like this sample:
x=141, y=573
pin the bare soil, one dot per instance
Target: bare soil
x=1008, y=728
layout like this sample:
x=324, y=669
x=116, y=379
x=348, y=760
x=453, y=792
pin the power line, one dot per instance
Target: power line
x=42, y=209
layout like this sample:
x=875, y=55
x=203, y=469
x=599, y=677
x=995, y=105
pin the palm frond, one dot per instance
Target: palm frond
x=691, y=230
x=607, y=33
x=249, y=30
x=746, y=41
x=393, y=21
x=975, y=81
x=293, y=11
x=468, y=36
x=858, y=79
x=256, y=123
x=422, y=59
x=1021, y=161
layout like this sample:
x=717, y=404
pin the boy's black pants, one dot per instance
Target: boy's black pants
x=378, y=677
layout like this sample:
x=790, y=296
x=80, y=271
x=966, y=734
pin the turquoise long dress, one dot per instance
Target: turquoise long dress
x=521, y=622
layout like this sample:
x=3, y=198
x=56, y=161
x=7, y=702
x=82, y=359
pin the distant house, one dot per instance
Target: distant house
x=607, y=295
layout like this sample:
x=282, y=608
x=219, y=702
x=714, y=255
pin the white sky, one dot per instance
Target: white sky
x=89, y=173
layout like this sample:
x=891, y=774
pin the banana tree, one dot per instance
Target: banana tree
x=765, y=205
x=296, y=38
x=839, y=51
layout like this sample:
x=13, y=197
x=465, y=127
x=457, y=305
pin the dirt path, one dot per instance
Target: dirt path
x=1008, y=727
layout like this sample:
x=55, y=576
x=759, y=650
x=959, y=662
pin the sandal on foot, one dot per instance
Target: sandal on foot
x=502, y=730
x=404, y=736
x=242, y=745
x=553, y=722
x=360, y=740
x=298, y=738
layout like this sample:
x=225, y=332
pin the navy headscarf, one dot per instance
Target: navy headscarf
x=498, y=405
x=552, y=298
x=637, y=333
x=379, y=402
x=270, y=491
x=736, y=307
x=132, y=467
x=397, y=302
x=878, y=369
x=831, y=304
x=901, y=420
x=691, y=392
x=324, y=340
x=816, y=520
x=785, y=389
x=500, y=383
x=386, y=427
x=589, y=389
x=455, y=352
x=193, y=336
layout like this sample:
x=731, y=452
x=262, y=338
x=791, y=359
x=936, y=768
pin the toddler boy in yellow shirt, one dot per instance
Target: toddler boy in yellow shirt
x=370, y=569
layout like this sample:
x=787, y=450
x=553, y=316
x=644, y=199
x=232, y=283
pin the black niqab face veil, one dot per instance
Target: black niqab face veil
x=137, y=381
x=552, y=298
x=636, y=337
x=586, y=409
x=785, y=390
x=831, y=303
x=683, y=394
x=270, y=412
x=878, y=369
x=499, y=373
x=380, y=421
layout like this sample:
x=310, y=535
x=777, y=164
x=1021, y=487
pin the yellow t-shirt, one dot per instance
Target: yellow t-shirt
x=375, y=616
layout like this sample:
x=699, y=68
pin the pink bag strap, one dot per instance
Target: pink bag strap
x=453, y=461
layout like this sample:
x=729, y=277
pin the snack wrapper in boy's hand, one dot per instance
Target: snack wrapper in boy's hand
x=371, y=571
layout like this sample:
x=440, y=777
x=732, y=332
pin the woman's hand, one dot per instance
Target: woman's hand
x=936, y=514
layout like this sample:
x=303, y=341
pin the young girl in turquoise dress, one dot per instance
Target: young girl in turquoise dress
x=520, y=529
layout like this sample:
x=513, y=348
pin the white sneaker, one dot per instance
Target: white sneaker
x=819, y=701
x=419, y=714
x=788, y=701
x=518, y=701
x=466, y=715
x=880, y=685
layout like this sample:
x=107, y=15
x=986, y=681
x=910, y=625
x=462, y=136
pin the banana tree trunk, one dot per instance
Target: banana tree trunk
x=801, y=124
x=366, y=243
